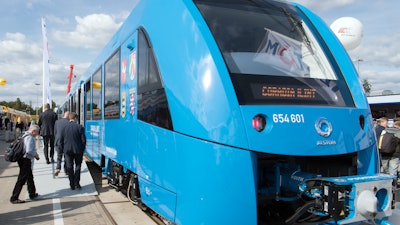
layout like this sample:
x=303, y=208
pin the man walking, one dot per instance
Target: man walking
x=46, y=123
x=381, y=126
x=391, y=161
x=58, y=128
x=25, y=166
x=73, y=142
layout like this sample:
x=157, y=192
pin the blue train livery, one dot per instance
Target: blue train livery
x=233, y=112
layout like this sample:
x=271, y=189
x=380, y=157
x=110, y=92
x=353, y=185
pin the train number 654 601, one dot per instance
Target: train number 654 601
x=288, y=118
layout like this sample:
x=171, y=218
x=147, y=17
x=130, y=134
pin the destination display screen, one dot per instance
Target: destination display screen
x=280, y=90
x=274, y=91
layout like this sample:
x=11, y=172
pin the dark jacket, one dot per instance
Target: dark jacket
x=46, y=122
x=20, y=125
x=73, y=139
x=58, y=128
x=378, y=131
x=396, y=132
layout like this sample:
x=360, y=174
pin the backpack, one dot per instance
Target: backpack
x=387, y=142
x=16, y=150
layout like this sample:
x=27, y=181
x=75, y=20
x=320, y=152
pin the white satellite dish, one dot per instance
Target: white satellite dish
x=349, y=30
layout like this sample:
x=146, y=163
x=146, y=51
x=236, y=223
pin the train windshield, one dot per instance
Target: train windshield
x=273, y=55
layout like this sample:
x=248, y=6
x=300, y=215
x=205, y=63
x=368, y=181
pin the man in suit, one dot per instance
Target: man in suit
x=58, y=128
x=47, y=119
x=73, y=142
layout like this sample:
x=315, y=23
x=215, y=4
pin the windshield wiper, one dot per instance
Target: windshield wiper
x=298, y=26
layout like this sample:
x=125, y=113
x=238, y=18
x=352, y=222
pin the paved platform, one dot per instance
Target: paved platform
x=56, y=204
x=48, y=186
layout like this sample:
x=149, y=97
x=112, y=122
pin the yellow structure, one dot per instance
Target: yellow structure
x=14, y=115
x=3, y=81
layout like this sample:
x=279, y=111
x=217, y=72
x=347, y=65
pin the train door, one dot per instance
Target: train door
x=93, y=111
x=82, y=113
x=95, y=124
x=128, y=115
x=87, y=116
x=156, y=141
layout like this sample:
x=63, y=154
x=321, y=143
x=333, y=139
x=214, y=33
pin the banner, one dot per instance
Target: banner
x=283, y=53
x=46, y=70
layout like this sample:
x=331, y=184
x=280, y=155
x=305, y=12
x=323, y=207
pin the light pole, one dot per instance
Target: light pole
x=358, y=65
x=37, y=100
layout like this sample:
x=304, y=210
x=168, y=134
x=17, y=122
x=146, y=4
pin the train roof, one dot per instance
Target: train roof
x=383, y=99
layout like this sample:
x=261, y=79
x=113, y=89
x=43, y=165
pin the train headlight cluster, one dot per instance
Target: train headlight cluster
x=259, y=122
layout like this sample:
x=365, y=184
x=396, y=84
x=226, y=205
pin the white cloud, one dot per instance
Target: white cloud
x=16, y=46
x=57, y=20
x=30, y=4
x=92, y=31
x=326, y=5
x=20, y=63
x=380, y=51
x=78, y=39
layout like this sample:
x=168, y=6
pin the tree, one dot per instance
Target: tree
x=22, y=106
x=18, y=105
x=367, y=86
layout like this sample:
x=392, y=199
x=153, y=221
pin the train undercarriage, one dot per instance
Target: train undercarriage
x=296, y=190
x=128, y=184
x=319, y=190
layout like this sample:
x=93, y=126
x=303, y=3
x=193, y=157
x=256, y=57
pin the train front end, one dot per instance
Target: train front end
x=307, y=124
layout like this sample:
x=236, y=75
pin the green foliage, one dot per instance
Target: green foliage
x=22, y=106
x=367, y=86
x=18, y=105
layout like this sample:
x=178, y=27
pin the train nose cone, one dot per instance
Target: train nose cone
x=367, y=204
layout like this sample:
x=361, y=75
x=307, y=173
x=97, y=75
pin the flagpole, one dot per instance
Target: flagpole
x=46, y=70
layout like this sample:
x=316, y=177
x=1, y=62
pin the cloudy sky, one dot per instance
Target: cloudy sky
x=378, y=56
x=77, y=30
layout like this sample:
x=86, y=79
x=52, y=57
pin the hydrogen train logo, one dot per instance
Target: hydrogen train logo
x=323, y=127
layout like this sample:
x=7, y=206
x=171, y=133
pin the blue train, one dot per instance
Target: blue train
x=233, y=112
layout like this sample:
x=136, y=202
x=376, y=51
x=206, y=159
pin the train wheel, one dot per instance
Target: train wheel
x=133, y=192
x=142, y=206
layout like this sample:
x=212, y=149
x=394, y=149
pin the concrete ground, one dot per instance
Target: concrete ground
x=96, y=203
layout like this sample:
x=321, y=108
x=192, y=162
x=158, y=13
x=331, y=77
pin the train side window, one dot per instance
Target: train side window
x=88, y=101
x=111, y=88
x=65, y=108
x=82, y=105
x=70, y=103
x=152, y=101
x=96, y=97
x=74, y=102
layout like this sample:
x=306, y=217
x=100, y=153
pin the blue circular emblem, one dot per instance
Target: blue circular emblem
x=323, y=127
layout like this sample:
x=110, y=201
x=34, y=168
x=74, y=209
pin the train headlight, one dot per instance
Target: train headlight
x=259, y=122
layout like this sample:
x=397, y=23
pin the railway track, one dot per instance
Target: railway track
x=117, y=206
